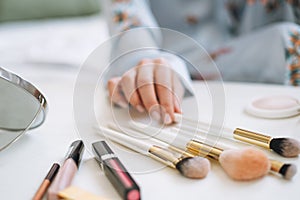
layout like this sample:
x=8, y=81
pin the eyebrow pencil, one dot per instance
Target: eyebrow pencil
x=46, y=182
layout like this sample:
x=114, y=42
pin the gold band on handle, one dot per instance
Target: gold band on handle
x=201, y=149
x=252, y=137
x=183, y=153
x=165, y=156
x=276, y=165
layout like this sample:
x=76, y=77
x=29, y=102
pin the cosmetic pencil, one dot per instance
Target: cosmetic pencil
x=199, y=148
x=284, y=146
x=115, y=171
x=46, y=182
x=67, y=172
x=194, y=167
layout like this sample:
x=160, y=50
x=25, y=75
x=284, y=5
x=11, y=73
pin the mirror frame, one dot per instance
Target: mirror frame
x=29, y=88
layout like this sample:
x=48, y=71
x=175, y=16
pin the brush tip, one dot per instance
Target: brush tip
x=194, y=167
x=288, y=171
x=245, y=164
x=286, y=147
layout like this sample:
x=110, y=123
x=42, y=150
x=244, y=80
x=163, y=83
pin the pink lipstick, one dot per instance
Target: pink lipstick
x=116, y=172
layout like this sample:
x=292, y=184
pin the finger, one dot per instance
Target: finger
x=163, y=86
x=129, y=88
x=115, y=92
x=146, y=90
x=178, y=92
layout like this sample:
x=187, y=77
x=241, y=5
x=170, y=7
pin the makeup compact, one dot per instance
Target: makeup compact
x=22, y=107
x=274, y=107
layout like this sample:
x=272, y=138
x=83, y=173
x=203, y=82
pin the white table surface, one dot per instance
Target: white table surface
x=24, y=165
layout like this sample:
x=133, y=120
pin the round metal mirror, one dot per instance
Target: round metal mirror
x=22, y=107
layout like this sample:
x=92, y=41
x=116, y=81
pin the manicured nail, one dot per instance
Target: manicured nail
x=168, y=119
x=140, y=108
x=155, y=115
x=177, y=106
x=123, y=104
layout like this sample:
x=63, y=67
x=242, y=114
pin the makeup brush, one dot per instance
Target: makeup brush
x=236, y=162
x=287, y=147
x=286, y=170
x=191, y=167
x=127, y=130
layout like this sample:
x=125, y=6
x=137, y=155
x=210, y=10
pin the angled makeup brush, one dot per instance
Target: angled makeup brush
x=286, y=147
x=201, y=149
x=190, y=167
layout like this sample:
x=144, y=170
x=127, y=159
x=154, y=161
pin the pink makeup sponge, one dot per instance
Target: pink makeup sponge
x=245, y=164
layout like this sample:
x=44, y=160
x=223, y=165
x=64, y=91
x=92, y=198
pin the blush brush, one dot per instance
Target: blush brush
x=188, y=165
x=286, y=147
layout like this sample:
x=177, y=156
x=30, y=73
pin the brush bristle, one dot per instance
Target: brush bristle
x=245, y=164
x=288, y=171
x=194, y=167
x=286, y=147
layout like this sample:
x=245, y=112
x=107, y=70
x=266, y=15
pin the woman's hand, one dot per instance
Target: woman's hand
x=150, y=86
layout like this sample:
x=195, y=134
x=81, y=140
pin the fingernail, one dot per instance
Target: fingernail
x=155, y=115
x=140, y=108
x=177, y=105
x=168, y=119
x=123, y=104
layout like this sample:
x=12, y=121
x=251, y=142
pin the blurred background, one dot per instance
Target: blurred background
x=48, y=33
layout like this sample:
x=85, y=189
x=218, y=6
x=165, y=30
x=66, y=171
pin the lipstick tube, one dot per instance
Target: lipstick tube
x=116, y=172
x=67, y=172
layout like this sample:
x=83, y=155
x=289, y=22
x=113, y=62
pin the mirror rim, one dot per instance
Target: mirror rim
x=29, y=88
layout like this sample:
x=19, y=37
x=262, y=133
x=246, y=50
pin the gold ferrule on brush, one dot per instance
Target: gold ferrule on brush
x=276, y=165
x=198, y=148
x=164, y=155
x=201, y=149
x=252, y=137
x=184, y=154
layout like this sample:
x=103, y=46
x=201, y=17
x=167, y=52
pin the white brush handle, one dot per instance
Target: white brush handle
x=188, y=122
x=203, y=131
x=137, y=134
x=168, y=137
x=130, y=142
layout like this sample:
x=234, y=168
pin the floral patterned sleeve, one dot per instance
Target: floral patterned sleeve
x=122, y=15
x=293, y=58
